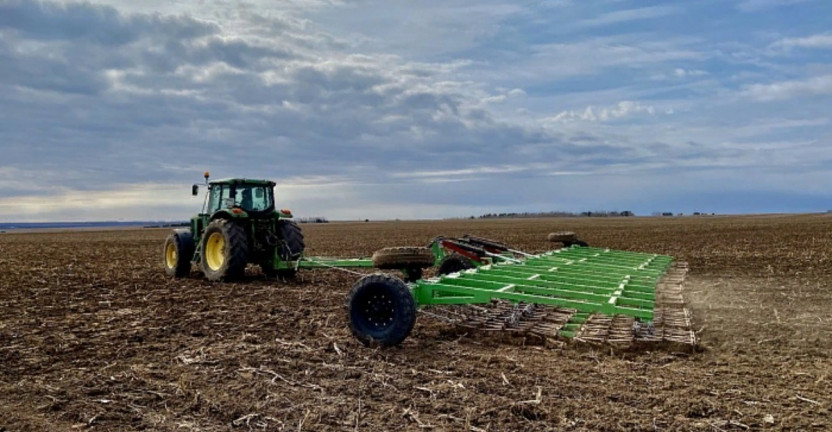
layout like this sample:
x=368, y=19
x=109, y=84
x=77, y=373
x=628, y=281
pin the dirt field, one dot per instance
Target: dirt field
x=94, y=336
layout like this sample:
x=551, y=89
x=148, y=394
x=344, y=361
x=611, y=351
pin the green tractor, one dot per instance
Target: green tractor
x=238, y=225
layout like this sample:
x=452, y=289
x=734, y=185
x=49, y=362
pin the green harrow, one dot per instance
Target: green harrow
x=583, y=293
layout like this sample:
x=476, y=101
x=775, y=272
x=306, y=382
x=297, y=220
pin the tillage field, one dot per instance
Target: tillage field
x=94, y=335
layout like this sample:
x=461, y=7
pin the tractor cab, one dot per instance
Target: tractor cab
x=255, y=197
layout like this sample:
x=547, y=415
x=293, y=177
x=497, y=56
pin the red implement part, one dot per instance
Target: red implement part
x=469, y=251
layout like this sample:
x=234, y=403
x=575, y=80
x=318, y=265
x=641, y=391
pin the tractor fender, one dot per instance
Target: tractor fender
x=233, y=213
x=183, y=233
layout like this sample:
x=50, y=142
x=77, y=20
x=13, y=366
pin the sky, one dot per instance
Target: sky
x=110, y=110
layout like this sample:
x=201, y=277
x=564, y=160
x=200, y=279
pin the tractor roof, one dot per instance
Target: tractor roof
x=240, y=181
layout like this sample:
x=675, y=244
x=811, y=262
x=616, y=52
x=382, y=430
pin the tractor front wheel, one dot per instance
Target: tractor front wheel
x=179, y=249
x=224, y=251
x=381, y=310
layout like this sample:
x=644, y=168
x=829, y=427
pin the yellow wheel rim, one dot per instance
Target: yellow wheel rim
x=215, y=251
x=170, y=255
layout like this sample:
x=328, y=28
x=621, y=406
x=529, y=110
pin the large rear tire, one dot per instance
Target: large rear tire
x=381, y=310
x=224, y=251
x=393, y=258
x=291, y=240
x=178, y=252
x=271, y=272
x=289, y=248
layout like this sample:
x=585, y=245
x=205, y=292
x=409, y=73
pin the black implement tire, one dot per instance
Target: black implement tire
x=291, y=244
x=579, y=243
x=454, y=263
x=403, y=257
x=562, y=237
x=412, y=274
x=224, y=251
x=381, y=310
x=178, y=252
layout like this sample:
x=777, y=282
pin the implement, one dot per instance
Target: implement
x=584, y=279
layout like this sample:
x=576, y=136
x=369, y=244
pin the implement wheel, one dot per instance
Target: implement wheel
x=224, y=251
x=381, y=310
x=412, y=274
x=179, y=249
x=454, y=263
x=403, y=257
x=565, y=237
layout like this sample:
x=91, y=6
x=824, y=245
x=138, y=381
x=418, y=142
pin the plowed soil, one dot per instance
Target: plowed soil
x=93, y=335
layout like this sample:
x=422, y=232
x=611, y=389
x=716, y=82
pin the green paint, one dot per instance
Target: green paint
x=590, y=280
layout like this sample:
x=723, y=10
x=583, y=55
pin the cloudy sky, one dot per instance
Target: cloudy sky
x=111, y=109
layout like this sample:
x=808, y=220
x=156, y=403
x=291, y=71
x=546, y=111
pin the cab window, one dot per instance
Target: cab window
x=215, y=200
x=253, y=198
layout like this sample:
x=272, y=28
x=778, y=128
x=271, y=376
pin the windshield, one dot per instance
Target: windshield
x=253, y=198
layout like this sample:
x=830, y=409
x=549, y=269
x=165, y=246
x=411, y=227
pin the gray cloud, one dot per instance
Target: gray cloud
x=112, y=104
x=99, y=24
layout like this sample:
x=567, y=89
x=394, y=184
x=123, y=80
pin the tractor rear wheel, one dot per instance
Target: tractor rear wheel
x=454, y=263
x=381, y=310
x=291, y=244
x=403, y=257
x=271, y=272
x=224, y=251
x=179, y=249
x=290, y=247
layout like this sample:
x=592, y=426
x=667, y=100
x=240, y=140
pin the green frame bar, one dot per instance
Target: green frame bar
x=590, y=280
x=325, y=262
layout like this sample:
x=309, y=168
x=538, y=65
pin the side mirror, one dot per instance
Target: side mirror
x=195, y=190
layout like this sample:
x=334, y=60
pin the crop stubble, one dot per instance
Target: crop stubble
x=94, y=336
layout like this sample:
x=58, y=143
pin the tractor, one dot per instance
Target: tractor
x=238, y=225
